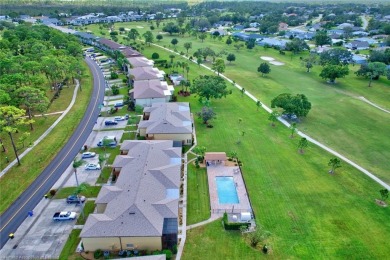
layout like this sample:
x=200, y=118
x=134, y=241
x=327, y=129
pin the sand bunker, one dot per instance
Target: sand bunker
x=267, y=58
x=276, y=63
x=140, y=27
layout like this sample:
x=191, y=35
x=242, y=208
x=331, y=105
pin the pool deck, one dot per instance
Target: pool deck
x=216, y=170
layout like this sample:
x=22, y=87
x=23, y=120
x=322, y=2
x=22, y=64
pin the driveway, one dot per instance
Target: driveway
x=96, y=136
x=101, y=126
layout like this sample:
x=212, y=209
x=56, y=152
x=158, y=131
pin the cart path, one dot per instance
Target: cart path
x=287, y=124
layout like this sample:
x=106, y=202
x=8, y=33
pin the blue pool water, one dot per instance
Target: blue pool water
x=226, y=188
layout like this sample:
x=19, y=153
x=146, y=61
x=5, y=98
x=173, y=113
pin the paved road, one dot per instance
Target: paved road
x=11, y=219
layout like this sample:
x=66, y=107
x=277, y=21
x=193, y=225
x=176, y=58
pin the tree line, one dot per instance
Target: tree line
x=35, y=62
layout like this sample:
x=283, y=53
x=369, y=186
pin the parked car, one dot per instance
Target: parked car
x=119, y=104
x=92, y=166
x=109, y=122
x=88, y=155
x=119, y=118
x=75, y=199
x=64, y=215
x=127, y=116
x=111, y=141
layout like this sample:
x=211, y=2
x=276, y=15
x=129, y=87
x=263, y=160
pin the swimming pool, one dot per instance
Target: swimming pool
x=226, y=189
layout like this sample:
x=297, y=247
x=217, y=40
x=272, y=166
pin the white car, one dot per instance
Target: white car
x=88, y=155
x=92, y=166
x=119, y=118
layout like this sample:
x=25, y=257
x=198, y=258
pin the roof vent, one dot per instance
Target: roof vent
x=131, y=213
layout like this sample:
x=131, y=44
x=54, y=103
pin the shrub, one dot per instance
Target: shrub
x=98, y=253
x=182, y=53
x=155, y=56
x=124, y=80
x=114, y=75
x=174, y=249
x=53, y=192
x=139, y=109
x=168, y=253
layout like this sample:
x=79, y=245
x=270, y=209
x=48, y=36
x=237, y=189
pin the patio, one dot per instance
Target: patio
x=219, y=170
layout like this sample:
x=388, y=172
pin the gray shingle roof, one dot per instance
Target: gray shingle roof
x=168, y=118
x=153, y=88
x=136, y=62
x=143, y=195
x=144, y=73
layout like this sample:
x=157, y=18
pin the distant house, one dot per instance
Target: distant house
x=86, y=38
x=141, y=210
x=167, y=121
x=360, y=33
x=274, y=42
x=357, y=59
x=254, y=24
x=366, y=39
x=344, y=25
x=238, y=27
x=220, y=31
x=251, y=29
x=147, y=92
x=357, y=45
x=146, y=73
x=55, y=21
x=283, y=26
x=241, y=36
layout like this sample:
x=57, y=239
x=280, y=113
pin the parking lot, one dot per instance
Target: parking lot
x=45, y=238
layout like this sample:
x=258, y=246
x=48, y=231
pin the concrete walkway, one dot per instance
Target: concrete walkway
x=269, y=110
x=183, y=228
x=211, y=219
x=9, y=166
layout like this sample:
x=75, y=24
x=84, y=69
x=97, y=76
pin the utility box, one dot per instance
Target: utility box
x=245, y=217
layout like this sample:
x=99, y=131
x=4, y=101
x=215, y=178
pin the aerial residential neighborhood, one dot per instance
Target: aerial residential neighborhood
x=194, y=130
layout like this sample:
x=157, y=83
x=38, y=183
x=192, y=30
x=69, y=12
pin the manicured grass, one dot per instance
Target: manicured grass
x=113, y=153
x=15, y=181
x=128, y=136
x=90, y=192
x=214, y=241
x=337, y=113
x=308, y=211
x=104, y=175
x=198, y=201
x=69, y=250
x=89, y=207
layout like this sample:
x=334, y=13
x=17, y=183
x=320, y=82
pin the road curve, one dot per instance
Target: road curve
x=13, y=217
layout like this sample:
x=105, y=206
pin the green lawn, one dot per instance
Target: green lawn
x=308, y=211
x=90, y=192
x=198, y=201
x=69, y=250
x=337, y=113
x=89, y=207
x=15, y=181
x=104, y=175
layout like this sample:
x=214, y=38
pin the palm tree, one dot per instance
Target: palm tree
x=303, y=143
x=335, y=163
x=258, y=104
x=273, y=117
x=80, y=188
x=77, y=164
x=293, y=128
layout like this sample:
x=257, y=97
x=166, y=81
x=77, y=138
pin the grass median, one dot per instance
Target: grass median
x=18, y=178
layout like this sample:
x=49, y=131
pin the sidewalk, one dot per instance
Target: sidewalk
x=9, y=166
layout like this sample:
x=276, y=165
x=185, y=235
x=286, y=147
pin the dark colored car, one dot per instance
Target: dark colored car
x=74, y=199
x=109, y=122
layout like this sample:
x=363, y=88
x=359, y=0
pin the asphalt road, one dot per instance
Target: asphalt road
x=13, y=217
